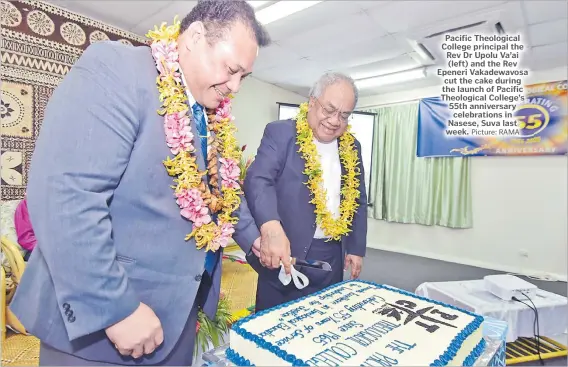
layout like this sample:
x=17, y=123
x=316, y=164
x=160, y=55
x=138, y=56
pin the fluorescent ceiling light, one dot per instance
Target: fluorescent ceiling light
x=282, y=9
x=420, y=51
x=255, y=4
x=394, y=78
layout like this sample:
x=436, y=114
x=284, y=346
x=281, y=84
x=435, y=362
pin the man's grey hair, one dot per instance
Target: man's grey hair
x=218, y=16
x=331, y=78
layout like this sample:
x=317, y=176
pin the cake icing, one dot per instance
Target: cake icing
x=358, y=323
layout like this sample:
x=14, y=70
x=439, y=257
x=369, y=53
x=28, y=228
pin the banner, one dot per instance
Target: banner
x=542, y=120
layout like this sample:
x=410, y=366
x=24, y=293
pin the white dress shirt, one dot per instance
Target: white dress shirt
x=331, y=175
x=192, y=101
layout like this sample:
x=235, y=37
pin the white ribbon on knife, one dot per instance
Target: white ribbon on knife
x=300, y=280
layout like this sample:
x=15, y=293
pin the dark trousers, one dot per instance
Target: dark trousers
x=181, y=354
x=271, y=292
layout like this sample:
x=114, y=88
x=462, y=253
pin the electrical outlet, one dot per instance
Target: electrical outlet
x=523, y=253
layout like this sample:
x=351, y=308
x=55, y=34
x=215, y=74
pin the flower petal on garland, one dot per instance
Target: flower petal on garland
x=224, y=237
x=230, y=173
x=193, y=206
x=166, y=56
x=178, y=132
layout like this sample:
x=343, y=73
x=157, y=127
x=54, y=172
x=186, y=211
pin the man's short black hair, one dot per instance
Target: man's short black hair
x=218, y=16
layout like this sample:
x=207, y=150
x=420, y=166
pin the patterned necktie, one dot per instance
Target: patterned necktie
x=201, y=124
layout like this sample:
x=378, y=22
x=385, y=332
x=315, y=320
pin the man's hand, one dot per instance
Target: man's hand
x=256, y=247
x=274, y=246
x=356, y=263
x=138, y=334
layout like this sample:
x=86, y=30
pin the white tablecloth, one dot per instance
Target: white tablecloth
x=471, y=295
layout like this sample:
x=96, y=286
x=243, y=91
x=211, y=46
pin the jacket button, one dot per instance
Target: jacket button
x=71, y=319
x=66, y=306
x=198, y=278
x=68, y=313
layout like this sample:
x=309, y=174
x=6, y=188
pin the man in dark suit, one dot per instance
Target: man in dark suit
x=280, y=201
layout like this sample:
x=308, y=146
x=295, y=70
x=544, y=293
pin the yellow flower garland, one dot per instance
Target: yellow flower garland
x=183, y=166
x=333, y=228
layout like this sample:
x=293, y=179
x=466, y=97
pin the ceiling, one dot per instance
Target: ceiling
x=366, y=38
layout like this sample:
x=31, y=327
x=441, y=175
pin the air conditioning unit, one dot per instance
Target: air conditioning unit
x=504, y=19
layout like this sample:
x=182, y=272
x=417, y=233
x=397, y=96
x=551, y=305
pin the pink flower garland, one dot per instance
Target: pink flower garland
x=179, y=138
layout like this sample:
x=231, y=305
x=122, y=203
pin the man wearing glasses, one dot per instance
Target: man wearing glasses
x=283, y=206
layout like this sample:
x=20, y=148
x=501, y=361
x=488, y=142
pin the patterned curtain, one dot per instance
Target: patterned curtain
x=40, y=42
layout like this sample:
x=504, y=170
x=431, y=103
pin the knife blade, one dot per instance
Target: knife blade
x=314, y=264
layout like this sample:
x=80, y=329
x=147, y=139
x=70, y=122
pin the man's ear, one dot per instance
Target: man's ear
x=195, y=33
x=311, y=102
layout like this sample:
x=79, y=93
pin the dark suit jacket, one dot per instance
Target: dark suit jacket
x=275, y=190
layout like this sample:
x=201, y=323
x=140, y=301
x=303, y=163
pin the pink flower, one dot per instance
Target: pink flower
x=176, y=121
x=193, y=207
x=178, y=132
x=230, y=172
x=224, y=237
x=224, y=109
x=166, y=56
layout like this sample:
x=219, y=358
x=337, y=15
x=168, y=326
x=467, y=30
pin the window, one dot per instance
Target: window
x=362, y=127
x=287, y=111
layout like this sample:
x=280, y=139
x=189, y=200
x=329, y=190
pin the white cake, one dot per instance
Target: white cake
x=358, y=323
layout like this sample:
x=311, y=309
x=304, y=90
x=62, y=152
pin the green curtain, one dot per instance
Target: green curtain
x=408, y=189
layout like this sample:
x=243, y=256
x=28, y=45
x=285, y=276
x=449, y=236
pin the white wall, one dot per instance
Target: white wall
x=255, y=106
x=519, y=204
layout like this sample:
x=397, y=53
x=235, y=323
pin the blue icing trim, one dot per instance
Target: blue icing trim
x=236, y=358
x=443, y=360
x=475, y=354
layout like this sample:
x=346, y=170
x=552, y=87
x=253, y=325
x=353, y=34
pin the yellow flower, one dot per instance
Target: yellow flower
x=164, y=32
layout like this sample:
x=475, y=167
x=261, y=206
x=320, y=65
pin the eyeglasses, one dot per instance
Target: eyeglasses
x=330, y=112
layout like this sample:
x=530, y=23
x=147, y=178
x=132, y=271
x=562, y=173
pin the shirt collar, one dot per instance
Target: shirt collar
x=192, y=100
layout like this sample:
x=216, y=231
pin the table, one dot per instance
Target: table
x=471, y=295
x=494, y=333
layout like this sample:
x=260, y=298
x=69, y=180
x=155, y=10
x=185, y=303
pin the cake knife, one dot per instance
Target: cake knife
x=315, y=264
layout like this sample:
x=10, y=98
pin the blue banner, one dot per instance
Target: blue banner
x=542, y=119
